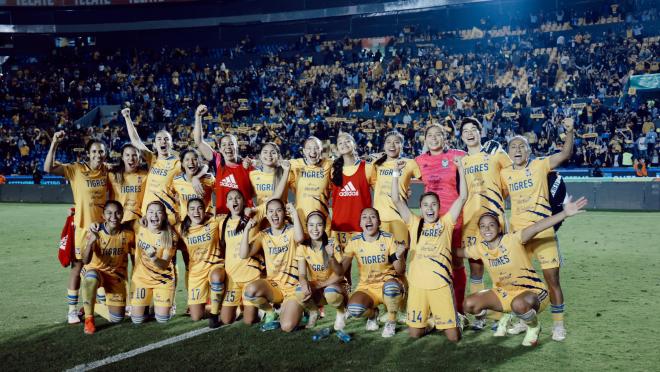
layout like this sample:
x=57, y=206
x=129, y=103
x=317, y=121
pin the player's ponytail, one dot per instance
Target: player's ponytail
x=337, y=171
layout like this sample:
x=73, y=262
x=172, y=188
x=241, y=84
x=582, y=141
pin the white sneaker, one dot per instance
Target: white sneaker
x=478, y=324
x=517, y=328
x=128, y=311
x=532, y=336
x=72, y=317
x=372, y=323
x=389, y=330
x=311, y=321
x=558, y=333
x=340, y=321
x=261, y=314
x=503, y=325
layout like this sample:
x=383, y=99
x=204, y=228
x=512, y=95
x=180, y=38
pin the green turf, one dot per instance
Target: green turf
x=610, y=282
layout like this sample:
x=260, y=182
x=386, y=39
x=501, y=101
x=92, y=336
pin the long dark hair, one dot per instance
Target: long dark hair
x=421, y=223
x=187, y=222
x=382, y=159
x=338, y=164
x=241, y=223
x=119, y=169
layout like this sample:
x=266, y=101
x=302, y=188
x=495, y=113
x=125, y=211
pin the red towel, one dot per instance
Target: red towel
x=67, y=240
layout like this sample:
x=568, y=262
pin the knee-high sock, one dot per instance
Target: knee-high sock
x=72, y=299
x=557, y=313
x=529, y=318
x=216, y=296
x=392, y=298
x=476, y=284
x=88, y=288
x=459, y=276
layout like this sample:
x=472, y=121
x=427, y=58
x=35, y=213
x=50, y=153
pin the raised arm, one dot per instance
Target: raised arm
x=570, y=209
x=336, y=266
x=400, y=259
x=247, y=249
x=198, y=134
x=278, y=193
x=567, y=150
x=49, y=163
x=399, y=203
x=91, y=244
x=132, y=132
x=298, y=233
x=302, y=279
x=457, y=207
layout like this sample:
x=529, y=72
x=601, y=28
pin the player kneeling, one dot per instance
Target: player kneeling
x=318, y=284
x=106, y=265
x=517, y=287
x=381, y=264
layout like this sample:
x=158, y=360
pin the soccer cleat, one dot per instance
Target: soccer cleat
x=372, y=323
x=532, y=336
x=517, y=327
x=90, y=327
x=389, y=330
x=214, y=321
x=73, y=317
x=340, y=321
x=479, y=324
x=558, y=332
x=503, y=325
x=270, y=322
x=311, y=321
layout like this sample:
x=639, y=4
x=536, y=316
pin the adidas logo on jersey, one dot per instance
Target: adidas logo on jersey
x=349, y=190
x=229, y=181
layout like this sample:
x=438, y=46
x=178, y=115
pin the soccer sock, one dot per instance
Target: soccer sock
x=101, y=307
x=334, y=298
x=116, y=318
x=476, y=284
x=459, y=277
x=216, y=296
x=392, y=298
x=72, y=299
x=529, y=318
x=162, y=318
x=557, y=314
x=88, y=288
x=259, y=302
x=358, y=310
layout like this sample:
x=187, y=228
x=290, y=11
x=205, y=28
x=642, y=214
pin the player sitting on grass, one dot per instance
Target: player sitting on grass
x=517, y=287
x=430, y=284
x=318, y=284
x=380, y=264
x=106, y=265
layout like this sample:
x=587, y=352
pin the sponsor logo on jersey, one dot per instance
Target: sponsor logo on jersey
x=349, y=190
x=229, y=182
x=445, y=163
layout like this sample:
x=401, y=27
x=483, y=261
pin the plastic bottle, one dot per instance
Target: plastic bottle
x=343, y=336
x=324, y=333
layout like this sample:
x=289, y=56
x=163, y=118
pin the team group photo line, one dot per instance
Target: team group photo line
x=253, y=255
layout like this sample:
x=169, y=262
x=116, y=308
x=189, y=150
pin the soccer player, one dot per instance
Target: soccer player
x=153, y=277
x=278, y=244
x=440, y=175
x=527, y=182
x=128, y=180
x=200, y=234
x=350, y=189
x=88, y=184
x=485, y=194
x=239, y=272
x=318, y=284
x=182, y=187
x=381, y=264
x=271, y=177
x=230, y=172
x=106, y=265
x=516, y=288
x=382, y=183
x=430, y=287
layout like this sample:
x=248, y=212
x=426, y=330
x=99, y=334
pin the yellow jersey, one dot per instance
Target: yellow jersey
x=381, y=180
x=280, y=254
x=145, y=272
x=238, y=269
x=430, y=254
x=264, y=185
x=372, y=257
x=161, y=173
x=182, y=190
x=111, y=255
x=89, y=192
x=318, y=269
x=202, y=245
x=311, y=184
x=528, y=190
x=129, y=193
x=485, y=194
x=508, y=263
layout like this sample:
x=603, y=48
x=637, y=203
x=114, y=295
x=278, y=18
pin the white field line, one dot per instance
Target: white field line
x=141, y=350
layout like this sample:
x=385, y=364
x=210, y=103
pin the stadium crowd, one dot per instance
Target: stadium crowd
x=518, y=82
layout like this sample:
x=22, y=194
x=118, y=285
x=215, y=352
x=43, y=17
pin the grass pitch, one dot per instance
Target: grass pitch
x=610, y=281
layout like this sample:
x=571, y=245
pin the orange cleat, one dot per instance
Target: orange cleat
x=90, y=327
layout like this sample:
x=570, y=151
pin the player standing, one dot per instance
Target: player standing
x=128, y=181
x=271, y=177
x=182, y=187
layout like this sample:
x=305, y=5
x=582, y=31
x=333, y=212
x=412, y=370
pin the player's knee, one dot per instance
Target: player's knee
x=454, y=336
x=333, y=296
x=356, y=310
x=116, y=317
x=392, y=290
x=416, y=332
x=471, y=305
x=288, y=326
x=520, y=305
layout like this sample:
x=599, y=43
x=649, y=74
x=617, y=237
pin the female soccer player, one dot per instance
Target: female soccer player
x=239, y=272
x=350, y=189
x=128, y=180
x=106, y=264
x=200, y=233
x=485, y=194
x=182, y=187
x=440, y=175
x=318, y=284
x=278, y=243
x=527, y=182
x=153, y=277
x=382, y=182
x=381, y=264
x=230, y=173
x=88, y=184
x=516, y=286
x=271, y=177
x=430, y=287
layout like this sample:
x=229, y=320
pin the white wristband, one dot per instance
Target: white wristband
x=396, y=173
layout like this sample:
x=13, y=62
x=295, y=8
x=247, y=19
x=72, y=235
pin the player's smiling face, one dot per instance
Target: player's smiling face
x=518, y=151
x=435, y=139
x=131, y=159
x=489, y=228
x=269, y=156
x=312, y=151
x=229, y=149
x=345, y=144
x=112, y=216
x=275, y=214
x=190, y=163
x=369, y=222
x=430, y=207
x=315, y=227
x=471, y=135
x=163, y=143
x=235, y=203
x=196, y=212
x=97, y=155
x=393, y=146
x=155, y=216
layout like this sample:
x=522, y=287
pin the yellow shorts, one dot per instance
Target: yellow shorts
x=318, y=295
x=424, y=302
x=398, y=229
x=506, y=296
x=282, y=293
x=234, y=292
x=143, y=295
x=375, y=290
x=114, y=287
x=342, y=238
x=546, y=250
x=199, y=285
x=79, y=241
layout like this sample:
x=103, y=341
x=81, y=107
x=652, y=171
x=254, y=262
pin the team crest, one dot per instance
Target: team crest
x=382, y=247
x=445, y=163
x=528, y=172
